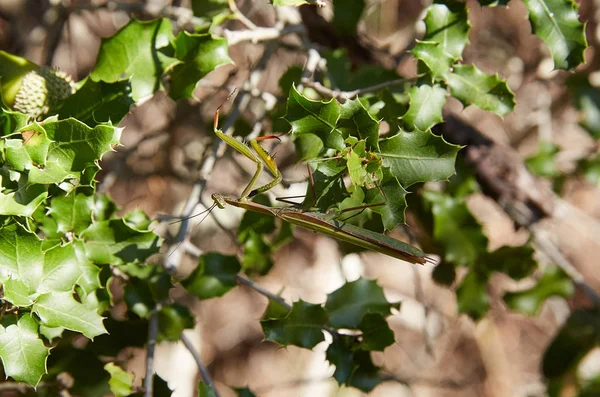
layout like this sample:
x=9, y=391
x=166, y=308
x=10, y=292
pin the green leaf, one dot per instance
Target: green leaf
x=328, y=185
x=243, y=392
x=543, y=163
x=138, y=297
x=214, y=276
x=210, y=8
x=433, y=56
x=472, y=86
x=12, y=70
x=346, y=14
x=447, y=23
x=22, y=351
x=72, y=213
x=302, y=326
x=172, y=320
x=114, y=241
x=579, y=335
x=418, y=156
x=587, y=99
x=257, y=254
x=352, y=367
x=456, y=229
x=390, y=192
x=554, y=282
x=376, y=333
x=425, y=109
x=356, y=121
x=200, y=54
x=315, y=117
x=590, y=167
x=516, y=262
x=294, y=3
x=60, y=309
x=136, y=52
x=21, y=200
x=472, y=295
x=557, y=23
x=98, y=102
x=121, y=382
x=205, y=390
x=348, y=305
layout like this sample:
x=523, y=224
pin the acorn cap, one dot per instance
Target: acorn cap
x=41, y=90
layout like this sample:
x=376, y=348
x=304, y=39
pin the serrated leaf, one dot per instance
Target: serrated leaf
x=136, y=52
x=579, y=335
x=543, y=163
x=554, y=282
x=172, y=320
x=366, y=375
x=210, y=8
x=587, y=100
x=393, y=195
x=214, y=276
x=348, y=305
x=447, y=24
x=352, y=367
x=98, y=102
x=456, y=229
x=425, y=108
x=60, y=309
x=356, y=121
x=72, y=213
x=205, y=390
x=328, y=185
x=114, y=241
x=557, y=23
x=138, y=297
x=22, y=201
x=472, y=296
x=472, y=86
x=376, y=333
x=315, y=117
x=199, y=54
x=22, y=351
x=121, y=382
x=12, y=70
x=346, y=14
x=418, y=156
x=302, y=326
x=340, y=353
x=517, y=262
x=433, y=56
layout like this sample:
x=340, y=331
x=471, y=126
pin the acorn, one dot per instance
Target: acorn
x=41, y=90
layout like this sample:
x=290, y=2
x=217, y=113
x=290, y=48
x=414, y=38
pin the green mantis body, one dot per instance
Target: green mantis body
x=310, y=220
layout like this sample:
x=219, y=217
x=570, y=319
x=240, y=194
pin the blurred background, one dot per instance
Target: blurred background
x=438, y=352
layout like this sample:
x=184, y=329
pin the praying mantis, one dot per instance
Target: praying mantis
x=314, y=221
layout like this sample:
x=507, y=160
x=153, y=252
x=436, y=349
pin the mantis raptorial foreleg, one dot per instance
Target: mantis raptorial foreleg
x=260, y=157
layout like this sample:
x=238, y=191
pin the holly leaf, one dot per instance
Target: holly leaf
x=97, y=102
x=376, y=333
x=22, y=199
x=348, y=305
x=172, y=320
x=71, y=213
x=243, y=392
x=356, y=121
x=205, y=390
x=554, y=282
x=418, y=156
x=199, y=54
x=12, y=70
x=587, y=99
x=212, y=9
x=393, y=195
x=315, y=117
x=114, y=241
x=472, y=86
x=472, y=296
x=346, y=14
x=517, y=262
x=328, y=185
x=433, y=56
x=301, y=326
x=22, y=351
x=352, y=367
x=121, y=382
x=447, y=23
x=456, y=229
x=425, y=108
x=136, y=52
x=556, y=22
x=214, y=276
x=543, y=163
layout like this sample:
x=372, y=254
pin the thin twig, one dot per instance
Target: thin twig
x=345, y=95
x=240, y=16
x=201, y=367
x=262, y=291
x=260, y=34
x=152, y=336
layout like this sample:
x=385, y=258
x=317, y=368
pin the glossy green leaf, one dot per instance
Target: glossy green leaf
x=136, y=52
x=447, y=24
x=418, y=156
x=114, y=241
x=328, y=185
x=472, y=296
x=21, y=198
x=515, y=261
x=205, y=390
x=392, y=213
x=199, y=54
x=543, y=163
x=315, y=117
x=587, y=99
x=557, y=23
x=353, y=367
x=22, y=351
x=121, y=382
x=376, y=333
x=356, y=121
x=433, y=56
x=60, y=309
x=425, y=108
x=71, y=213
x=257, y=254
x=346, y=14
x=472, y=86
x=456, y=229
x=12, y=70
x=172, y=320
x=579, y=335
x=138, y=297
x=210, y=9
x=348, y=305
x=590, y=167
x=98, y=102
x=302, y=326
x=554, y=282
x=214, y=276
x=244, y=392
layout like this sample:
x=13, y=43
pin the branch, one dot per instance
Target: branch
x=260, y=34
x=262, y=291
x=342, y=96
x=152, y=336
x=201, y=367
